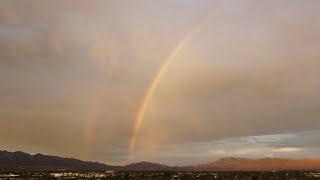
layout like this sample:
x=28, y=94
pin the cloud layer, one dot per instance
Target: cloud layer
x=73, y=75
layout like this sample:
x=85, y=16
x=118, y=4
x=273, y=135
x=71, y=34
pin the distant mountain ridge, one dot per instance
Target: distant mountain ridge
x=21, y=160
x=262, y=164
x=146, y=166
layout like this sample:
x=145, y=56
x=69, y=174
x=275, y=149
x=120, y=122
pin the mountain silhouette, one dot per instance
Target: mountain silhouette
x=23, y=161
x=263, y=164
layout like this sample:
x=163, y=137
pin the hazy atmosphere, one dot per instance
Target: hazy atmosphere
x=170, y=81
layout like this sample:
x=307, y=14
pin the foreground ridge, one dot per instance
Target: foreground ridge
x=22, y=160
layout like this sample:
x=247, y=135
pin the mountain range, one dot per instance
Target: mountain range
x=24, y=161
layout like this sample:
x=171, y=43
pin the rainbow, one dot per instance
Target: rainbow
x=153, y=86
x=91, y=125
x=158, y=75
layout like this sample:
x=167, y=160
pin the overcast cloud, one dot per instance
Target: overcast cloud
x=73, y=75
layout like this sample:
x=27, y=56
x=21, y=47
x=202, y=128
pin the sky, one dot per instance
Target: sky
x=183, y=81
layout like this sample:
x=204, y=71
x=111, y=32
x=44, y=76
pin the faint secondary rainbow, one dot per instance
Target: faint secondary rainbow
x=91, y=127
x=153, y=87
x=95, y=116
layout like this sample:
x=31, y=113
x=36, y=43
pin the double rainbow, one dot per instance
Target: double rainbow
x=149, y=92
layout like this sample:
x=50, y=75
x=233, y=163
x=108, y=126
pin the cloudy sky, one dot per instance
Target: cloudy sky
x=74, y=75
